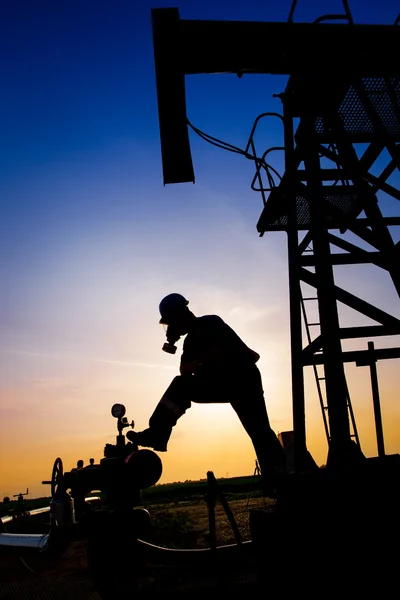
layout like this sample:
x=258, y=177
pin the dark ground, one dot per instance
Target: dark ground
x=185, y=525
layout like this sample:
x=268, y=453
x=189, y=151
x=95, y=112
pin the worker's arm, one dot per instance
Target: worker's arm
x=210, y=355
x=189, y=368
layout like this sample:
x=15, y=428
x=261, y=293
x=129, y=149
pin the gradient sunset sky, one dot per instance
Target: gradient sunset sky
x=91, y=240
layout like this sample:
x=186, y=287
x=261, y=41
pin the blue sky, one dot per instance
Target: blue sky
x=91, y=240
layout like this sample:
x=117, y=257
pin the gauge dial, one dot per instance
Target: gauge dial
x=118, y=411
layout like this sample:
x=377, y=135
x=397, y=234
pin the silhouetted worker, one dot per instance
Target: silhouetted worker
x=216, y=366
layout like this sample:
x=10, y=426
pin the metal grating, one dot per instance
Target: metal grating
x=384, y=96
x=69, y=587
x=341, y=205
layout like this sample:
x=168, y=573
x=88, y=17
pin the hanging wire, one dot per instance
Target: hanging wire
x=332, y=147
x=260, y=162
x=270, y=169
x=215, y=141
x=346, y=8
x=292, y=9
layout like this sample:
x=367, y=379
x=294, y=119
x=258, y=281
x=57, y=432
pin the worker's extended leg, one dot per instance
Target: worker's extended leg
x=268, y=449
x=252, y=412
x=173, y=404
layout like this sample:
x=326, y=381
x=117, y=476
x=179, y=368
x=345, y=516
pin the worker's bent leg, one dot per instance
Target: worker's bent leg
x=173, y=404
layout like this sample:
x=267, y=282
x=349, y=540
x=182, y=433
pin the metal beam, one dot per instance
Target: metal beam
x=171, y=94
x=360, y=357
x=347, y=259
x=367, y=309
x=283, y=48
x=185, y=47
x=347, y=333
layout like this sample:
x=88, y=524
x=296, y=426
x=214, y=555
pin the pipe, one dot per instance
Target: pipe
x=5, y=520
x=38, y=511
x=29, y=513
x=44, y=509
x=25, y=540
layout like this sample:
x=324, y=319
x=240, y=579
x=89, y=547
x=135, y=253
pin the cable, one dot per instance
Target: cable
x=235, y=149
x=215, y=141
x=28, y=567
x=3, y=529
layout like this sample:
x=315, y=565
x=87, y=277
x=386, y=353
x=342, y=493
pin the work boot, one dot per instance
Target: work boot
x=150, y=438
x=271, y=480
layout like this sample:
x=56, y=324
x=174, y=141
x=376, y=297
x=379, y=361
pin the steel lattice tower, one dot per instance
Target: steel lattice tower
x=328, y=187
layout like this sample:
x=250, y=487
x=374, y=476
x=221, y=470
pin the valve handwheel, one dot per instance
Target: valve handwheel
x=56, y=476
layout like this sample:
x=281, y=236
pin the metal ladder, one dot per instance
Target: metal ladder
x=320, y=378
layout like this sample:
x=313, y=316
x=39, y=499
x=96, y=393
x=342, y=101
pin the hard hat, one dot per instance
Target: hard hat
x=170, y=304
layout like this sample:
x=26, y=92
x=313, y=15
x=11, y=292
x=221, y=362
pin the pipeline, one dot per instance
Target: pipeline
x=31, y=513
x=36, y=541
x=40, y=511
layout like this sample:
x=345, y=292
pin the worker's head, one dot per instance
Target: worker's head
x=172, y=308
x=176, y=316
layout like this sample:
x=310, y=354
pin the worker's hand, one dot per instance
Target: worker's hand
x=190, y=368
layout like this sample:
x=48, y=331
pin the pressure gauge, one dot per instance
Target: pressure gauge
x=118, y=410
